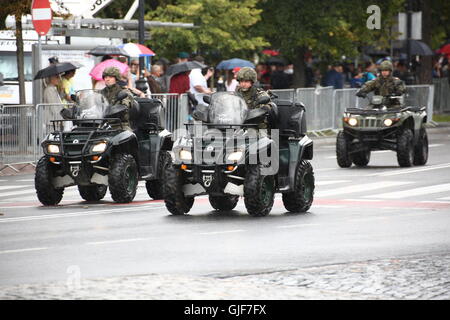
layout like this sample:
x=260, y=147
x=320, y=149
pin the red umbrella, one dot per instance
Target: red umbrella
x=272, y=53
x=445, y=49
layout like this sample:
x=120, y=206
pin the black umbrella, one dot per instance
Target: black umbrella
x=108, y=51
x=418, y=48
x=55, y=69
x=184, y=66
x=276, y=61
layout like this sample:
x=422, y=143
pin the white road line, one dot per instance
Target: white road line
x=327, y=206
x=328, y=182
x=413, y=170
x=361, y=188
x=12, y=187
x=331, y=157
x=446, y=198
x=298, y=225
x=362, y=200
x=435, y=145
x=17, y=193
x=25, y=180
x=412, y=192
x=325, y=169
x=117, y=241
x=219, y=232
x=80, y=213
x=22, y=250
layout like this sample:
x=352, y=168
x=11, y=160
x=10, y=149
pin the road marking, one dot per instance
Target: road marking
x=413, y=192
x=407, y=171
x=325, y=169
x=25, y=180
x=298, y=225
x=22, y=250
x=78, y=214
x=435, y=145
x=220, y=232
x=12, y=187
x=117, y=241
x=331, y=157
x=327, y=206
x=328, y=182
x=362, y=200
x=361, y=188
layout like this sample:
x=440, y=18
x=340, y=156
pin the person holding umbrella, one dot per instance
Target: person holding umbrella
x=52, y=93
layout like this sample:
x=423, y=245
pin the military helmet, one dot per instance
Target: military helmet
x=112, y=72
x=386, y=65
x=246, y=74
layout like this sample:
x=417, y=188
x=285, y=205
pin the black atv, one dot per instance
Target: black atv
x=93, y=150
x=387, y=125
x=225, y=156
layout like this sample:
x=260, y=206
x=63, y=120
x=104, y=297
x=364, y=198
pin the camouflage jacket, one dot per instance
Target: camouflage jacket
x=110, y=93
x=251, y=97
x=384, y=86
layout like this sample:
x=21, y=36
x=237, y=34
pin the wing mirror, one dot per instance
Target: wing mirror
x=207, y=99
x=122, y=95
x=263, y=100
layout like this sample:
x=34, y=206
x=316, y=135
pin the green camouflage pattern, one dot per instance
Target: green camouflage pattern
x=251, y=97
x=246, y=74
x=386, y=65
x=110, y=93
x=384, y=86
x=112, y=72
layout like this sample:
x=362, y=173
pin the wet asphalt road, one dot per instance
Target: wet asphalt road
x=382, y=211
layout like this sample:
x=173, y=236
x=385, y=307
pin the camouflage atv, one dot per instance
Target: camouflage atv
x=388, y=125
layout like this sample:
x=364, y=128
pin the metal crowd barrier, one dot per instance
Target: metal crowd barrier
x=17, y=134
x=441, y=101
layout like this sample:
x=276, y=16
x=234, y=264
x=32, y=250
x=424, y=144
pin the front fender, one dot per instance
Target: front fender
x=301, y=150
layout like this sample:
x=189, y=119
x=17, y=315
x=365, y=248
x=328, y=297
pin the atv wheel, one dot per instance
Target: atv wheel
x=176, y=202
x=223, y=203
x=123, y=178
x=154, y=187
x=93, y=193
x=46, y=193
x=405, y=149
x=258, y=192
x=342, y=155
x=301, y=198
x=362, y=158
x=421, y=149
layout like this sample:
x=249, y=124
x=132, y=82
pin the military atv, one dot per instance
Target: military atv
x=97, y=151
x=388, y=125
x=225, y=156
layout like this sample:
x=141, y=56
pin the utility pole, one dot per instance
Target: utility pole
x=141, y=82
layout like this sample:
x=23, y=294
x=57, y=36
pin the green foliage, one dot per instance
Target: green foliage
x=17, y=8
x=222, y=28
x=329, y=28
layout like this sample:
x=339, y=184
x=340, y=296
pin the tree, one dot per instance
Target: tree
x=17, y=9
x=221, y=28
x=330, y=29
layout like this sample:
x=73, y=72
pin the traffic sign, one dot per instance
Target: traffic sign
x=42, y=16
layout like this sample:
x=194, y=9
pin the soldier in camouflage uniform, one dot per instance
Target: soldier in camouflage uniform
x=385, y=84
x=111, y=76
x=247, y=78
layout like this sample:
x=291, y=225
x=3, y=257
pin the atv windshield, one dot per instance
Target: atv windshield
x=91, y=104
x=227, y=108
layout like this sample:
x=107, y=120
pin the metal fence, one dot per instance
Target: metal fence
x=17, y=134
x=23, y=127
x=441, y=95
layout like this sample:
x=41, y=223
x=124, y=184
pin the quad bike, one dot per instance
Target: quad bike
x=240, y=161
x=387, y=125
x=92, y=149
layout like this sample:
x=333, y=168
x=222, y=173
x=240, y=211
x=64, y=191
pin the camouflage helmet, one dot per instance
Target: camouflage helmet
x=246, y=74
x=112, y=72
x=386, y=65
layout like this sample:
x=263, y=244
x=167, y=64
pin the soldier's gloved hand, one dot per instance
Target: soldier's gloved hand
x=361, y=94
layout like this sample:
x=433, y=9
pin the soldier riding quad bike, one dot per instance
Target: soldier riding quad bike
x=224, y=156
x=97, y=151
x=388, y=125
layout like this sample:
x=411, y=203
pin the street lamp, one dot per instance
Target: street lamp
x=141, y=83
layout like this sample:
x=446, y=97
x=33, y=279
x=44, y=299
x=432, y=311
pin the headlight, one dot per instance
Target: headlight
x=99, y=147
x=53, y=148
x=353, y=122
x=235, y=156
x=185, y=155
x=388, y=122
